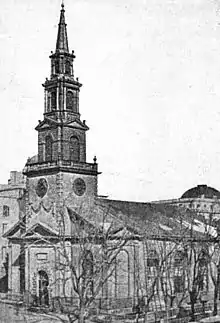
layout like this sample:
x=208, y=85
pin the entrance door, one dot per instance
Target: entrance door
x=43, y=288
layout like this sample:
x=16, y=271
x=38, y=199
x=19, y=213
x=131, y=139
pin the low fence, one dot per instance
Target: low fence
x=14, y=297
x=122, y=310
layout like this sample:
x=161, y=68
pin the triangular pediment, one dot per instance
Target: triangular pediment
x=77, y=124
x=46, y=123
x=40, y=230
x=15, y=230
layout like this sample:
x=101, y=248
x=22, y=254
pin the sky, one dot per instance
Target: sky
x=151, y=89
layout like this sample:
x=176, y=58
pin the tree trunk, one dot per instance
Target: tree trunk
x=172, y=298
x=216, y=291
x=81, y=318
x=192, y=302
x=215, y=309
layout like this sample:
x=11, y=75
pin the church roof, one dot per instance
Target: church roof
x=201, y=191
x=156, y=220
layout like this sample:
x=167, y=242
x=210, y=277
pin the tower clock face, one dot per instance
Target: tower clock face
x=79, y=186
x=41, y=188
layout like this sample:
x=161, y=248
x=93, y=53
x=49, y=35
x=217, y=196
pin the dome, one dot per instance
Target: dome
x=201, y=191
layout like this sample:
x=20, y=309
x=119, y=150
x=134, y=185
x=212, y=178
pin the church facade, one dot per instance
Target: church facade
x=58, y=182
x=58, y=173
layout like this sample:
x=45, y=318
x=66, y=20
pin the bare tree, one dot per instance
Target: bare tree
x=172, y=282
x=214, y=270
x=211, y=227
x=213, y=231
x=154, y=276
x=88, y=258
x=196, y=267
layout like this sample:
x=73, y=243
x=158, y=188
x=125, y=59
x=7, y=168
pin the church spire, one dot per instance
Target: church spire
x=62, y=39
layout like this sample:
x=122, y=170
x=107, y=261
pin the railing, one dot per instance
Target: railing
x=120, y=309
x=60, y=163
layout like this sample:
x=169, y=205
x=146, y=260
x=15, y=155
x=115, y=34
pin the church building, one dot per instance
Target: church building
x=59, y=181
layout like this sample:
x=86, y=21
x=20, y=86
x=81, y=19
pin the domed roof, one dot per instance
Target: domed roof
x=201, y=191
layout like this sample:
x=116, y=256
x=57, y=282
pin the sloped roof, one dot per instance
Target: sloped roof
x=15, y=229
x=155, y=220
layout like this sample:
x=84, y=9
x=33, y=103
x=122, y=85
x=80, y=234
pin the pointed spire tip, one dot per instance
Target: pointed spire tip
x=62, y=40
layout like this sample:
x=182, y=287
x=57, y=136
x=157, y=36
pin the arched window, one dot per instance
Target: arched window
x=57, y=69
x=69, y=100
x=87, y=271
x=68, y=68
x=48, y=148
x=43, y=283
x=72, y=101
x=74, y=149
x=5, y=210
x=203, y=260
x=53, y=100
x=122, y=275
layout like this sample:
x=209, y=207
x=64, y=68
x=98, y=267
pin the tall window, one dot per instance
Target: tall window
x=53, y=100
x=74, y=149
x=68, y=68
x=122, y=275
x=87, y=271
x=48, y=148
x=69, y=100
x=203, y=260
x=5, y=210
x=57, y=67
x=4, y=227
x=72, y=101
x=3, y=253
x=75, y=101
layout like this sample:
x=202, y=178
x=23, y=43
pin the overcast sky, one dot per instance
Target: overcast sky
x=151, y=89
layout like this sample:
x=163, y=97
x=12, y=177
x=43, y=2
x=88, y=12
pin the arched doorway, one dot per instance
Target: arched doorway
x=43, y=283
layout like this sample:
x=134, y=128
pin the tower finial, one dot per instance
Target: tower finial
x=62, y=4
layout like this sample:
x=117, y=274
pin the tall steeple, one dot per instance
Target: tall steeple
x=62, y=134
x=60, y=169
x=62, y=90
x=62, y=39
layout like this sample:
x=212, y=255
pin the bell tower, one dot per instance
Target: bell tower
x=61, y=133
x=62, y=90
x=58, y=178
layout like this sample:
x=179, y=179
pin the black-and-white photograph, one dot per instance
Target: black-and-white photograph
x=110, y=161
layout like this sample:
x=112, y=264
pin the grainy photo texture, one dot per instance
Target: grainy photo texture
x=139, y=243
